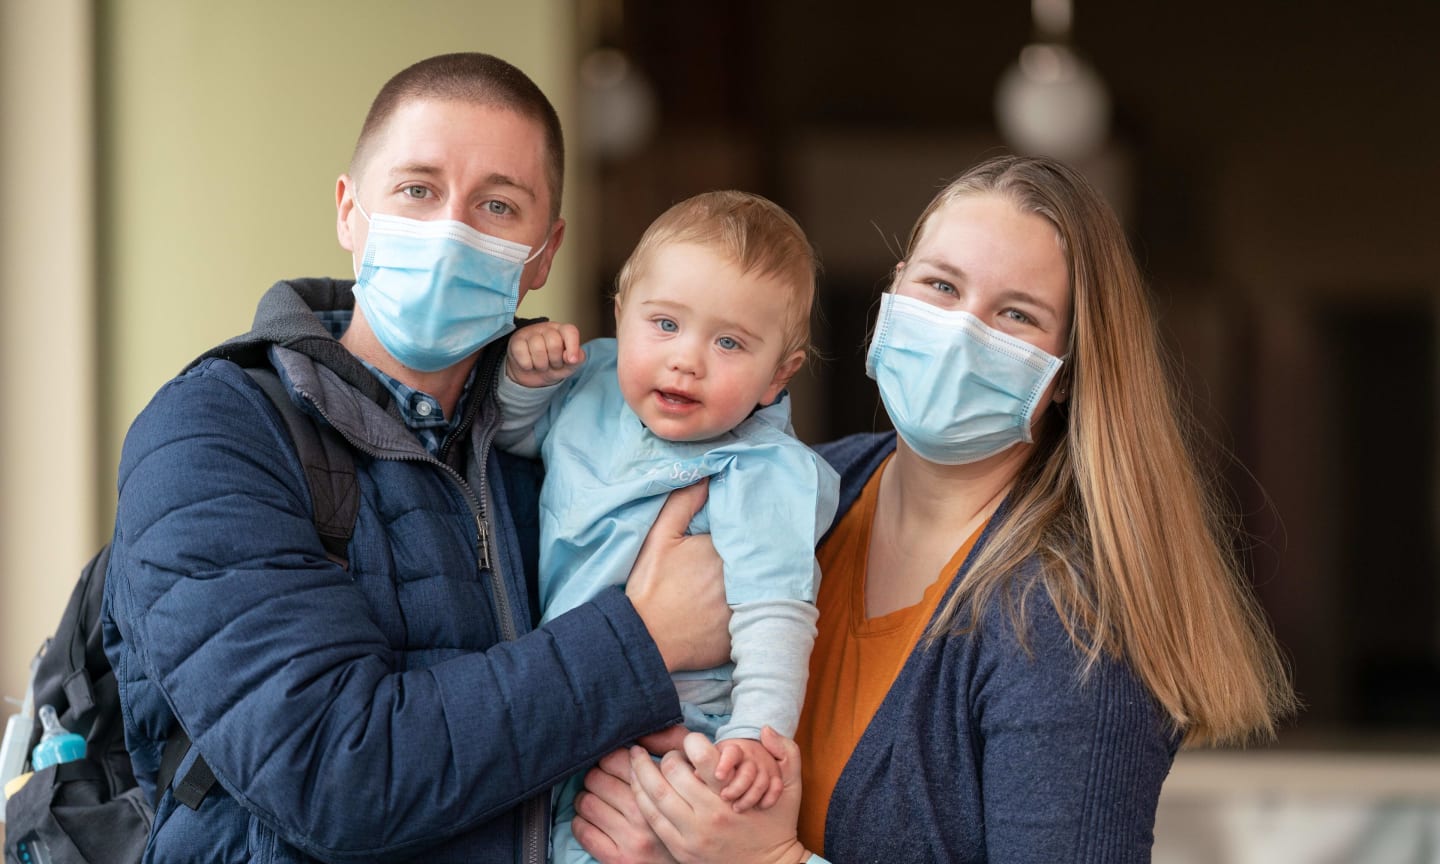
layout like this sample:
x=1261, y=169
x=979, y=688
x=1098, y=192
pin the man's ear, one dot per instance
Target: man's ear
x=547, y=255
x=344, y=203
x=783, y=373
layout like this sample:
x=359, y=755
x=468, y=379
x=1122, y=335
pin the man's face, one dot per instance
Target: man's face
x=442, y=159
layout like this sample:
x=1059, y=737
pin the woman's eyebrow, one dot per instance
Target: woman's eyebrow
x=942, y=265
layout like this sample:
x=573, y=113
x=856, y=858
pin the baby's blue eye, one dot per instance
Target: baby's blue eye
x=728, y=343
x=667, y=325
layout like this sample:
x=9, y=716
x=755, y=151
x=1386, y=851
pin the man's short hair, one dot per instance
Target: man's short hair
x=480, y=79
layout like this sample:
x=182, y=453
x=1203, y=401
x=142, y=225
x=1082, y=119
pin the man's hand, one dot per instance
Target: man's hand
x=543, y=354
x=678, y=587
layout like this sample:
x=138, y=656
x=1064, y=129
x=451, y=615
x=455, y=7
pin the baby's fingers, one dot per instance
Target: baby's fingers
x=741, y=783
x=754, y=795
x=571, y=353
x=772, y=794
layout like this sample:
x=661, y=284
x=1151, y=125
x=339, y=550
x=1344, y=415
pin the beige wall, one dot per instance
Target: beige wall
x=222, y=128
x=47, y=345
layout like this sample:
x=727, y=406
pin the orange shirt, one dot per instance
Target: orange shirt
x=855, y=659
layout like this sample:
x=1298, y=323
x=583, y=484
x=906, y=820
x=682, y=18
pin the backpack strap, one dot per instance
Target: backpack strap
x=330, y=471
x=329, y=467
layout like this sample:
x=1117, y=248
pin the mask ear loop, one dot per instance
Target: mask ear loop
x=355, y=196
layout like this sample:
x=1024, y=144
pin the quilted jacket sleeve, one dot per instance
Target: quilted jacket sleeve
x=271, y=658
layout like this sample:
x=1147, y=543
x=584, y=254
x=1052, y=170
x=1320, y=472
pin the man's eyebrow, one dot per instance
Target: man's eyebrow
x=426, y=169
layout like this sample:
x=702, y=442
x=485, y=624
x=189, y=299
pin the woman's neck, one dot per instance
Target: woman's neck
x=924, y=513
x=923, y=498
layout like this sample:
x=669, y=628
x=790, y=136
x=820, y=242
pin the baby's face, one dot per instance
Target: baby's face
x=701, y=344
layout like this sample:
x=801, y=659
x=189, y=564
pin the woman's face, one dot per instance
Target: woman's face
x=982, y=255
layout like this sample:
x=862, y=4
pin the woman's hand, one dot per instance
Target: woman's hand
x=607, y=821
x=679, y=800
x=678, y=587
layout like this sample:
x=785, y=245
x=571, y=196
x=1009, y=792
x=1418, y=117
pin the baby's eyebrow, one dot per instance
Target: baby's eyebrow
x=725, y=323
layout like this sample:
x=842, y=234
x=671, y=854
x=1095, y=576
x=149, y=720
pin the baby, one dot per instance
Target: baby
x=712, y=319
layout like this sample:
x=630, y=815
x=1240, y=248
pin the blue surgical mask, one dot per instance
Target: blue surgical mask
x=956, y=390
x=435, y=292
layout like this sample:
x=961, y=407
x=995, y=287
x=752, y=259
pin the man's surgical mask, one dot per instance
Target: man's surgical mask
x=435, y=292
x=956, y=390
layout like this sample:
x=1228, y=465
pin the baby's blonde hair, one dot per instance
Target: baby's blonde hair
x=753, y=232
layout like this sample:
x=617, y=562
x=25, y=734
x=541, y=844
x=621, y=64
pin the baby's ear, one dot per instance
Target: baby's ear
x=783, y=373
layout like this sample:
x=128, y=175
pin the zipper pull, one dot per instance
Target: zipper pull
x=484, y=543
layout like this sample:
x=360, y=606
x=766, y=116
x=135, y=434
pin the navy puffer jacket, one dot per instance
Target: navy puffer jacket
x=403, y=709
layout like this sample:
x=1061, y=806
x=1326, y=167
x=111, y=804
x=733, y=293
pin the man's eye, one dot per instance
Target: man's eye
x=498, y=208
x=667, y=325
x=416, y=192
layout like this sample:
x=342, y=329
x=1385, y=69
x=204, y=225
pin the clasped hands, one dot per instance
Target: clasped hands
x=635, y=810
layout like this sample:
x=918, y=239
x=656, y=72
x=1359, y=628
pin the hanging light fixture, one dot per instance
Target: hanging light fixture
x=618, y=106
x=1050, y=102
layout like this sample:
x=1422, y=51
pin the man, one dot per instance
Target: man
x=397, y=703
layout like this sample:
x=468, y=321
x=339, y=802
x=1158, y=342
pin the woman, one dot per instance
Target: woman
x=1028, y=601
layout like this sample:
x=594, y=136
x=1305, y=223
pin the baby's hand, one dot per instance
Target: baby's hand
x=543, y=354
x=750, y=774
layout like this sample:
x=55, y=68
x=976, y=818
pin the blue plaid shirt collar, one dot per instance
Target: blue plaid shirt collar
x=420, y=411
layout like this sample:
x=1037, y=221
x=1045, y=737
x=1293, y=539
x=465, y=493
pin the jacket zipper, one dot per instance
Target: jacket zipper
x=534, y=817
x=534, y=812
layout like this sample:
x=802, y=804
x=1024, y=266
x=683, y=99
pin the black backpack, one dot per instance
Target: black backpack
x=90, y=811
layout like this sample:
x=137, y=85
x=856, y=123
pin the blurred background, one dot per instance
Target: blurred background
x=1277, y=165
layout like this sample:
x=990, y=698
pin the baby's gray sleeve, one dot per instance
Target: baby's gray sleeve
x=770, y=644
x=521, y=408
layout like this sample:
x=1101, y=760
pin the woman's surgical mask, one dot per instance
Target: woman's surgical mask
x=956, y=390
x=435, y=292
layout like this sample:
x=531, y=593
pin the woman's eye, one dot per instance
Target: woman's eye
x=1017, y=315
x=666, y=325
x=727, y=343
x=942, y=286
x=498, y=208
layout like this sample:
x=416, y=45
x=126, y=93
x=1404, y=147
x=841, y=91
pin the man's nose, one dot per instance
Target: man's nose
x=457, y=210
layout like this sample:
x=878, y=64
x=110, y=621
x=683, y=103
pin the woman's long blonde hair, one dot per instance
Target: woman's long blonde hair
x=1135, y=554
